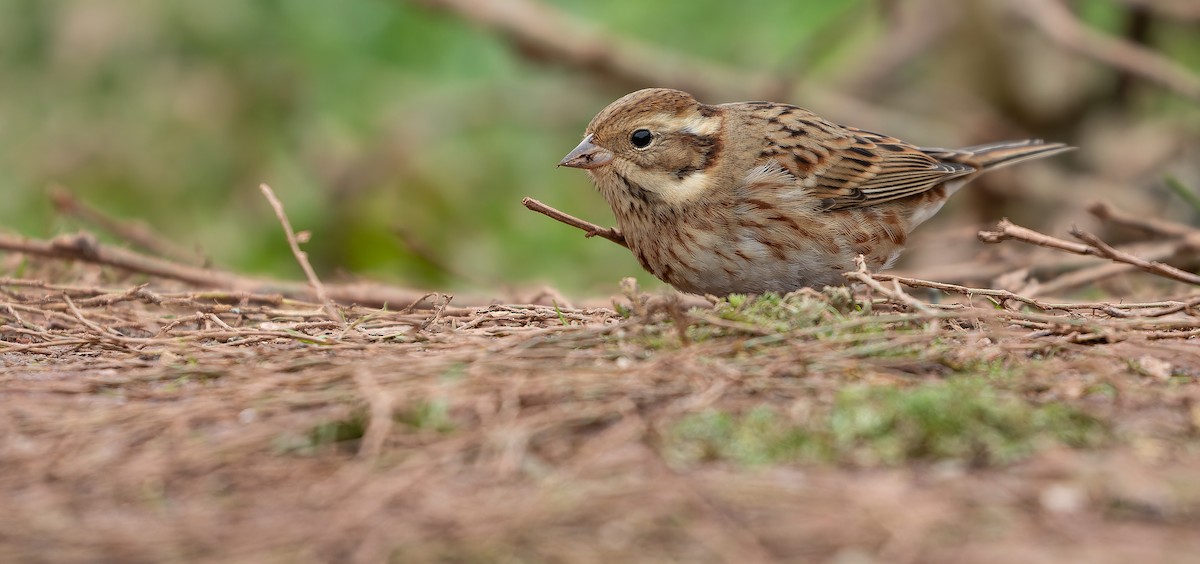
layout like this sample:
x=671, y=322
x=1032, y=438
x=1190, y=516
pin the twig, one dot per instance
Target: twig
x=590, y=229
x=1000, y=295
x=1091, y=274
x=1153, y=309
x=895, y=294
x=1058, y=24
x=136, y=232
x=1006, y=230
x=438, y=309
x=301, y=256
x=79, y=291
x=79, y=316
x=84, y=247
x=1153, y=267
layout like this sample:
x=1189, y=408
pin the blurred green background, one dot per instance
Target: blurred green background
x=369, y=116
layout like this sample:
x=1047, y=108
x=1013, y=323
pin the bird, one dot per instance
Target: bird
x=757, y=197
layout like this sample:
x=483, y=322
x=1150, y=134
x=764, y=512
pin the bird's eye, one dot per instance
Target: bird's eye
x=641, y=138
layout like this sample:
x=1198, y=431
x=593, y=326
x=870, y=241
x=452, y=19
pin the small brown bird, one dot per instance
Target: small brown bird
x=755, y=197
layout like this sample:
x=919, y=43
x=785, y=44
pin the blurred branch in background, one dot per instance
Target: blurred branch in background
x=1180, y=10
x=541, y=31
x=1057, y=23
x=916, y=26
x=1092, y=246
x=136, y=232
x=84, y=247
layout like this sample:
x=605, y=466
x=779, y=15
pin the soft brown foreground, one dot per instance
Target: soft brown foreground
x=174, y=427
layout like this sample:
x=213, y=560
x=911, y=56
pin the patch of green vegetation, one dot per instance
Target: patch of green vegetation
x=427, y=416
x=963, y=419
x=759, y=436
x=781, y=313
x=660, y=338
x=774, y=313
x=349, y=428
x=345, y=432
x=995, y=371
x=181, y=376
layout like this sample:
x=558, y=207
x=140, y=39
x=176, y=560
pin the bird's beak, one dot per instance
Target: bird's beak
x=586, y=155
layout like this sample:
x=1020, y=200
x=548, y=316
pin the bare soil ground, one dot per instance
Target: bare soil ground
x=177, y=425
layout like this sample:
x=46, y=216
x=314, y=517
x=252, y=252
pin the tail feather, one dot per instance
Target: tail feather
x=995, y=155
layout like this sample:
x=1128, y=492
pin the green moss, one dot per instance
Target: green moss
x=964, y=420
x=427, y=416
x=780, y=313
x=345, y=432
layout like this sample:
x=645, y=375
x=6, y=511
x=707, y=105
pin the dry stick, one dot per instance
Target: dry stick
x=1085, y=276
x=1000, y=295
x=84, y=247
x=895, y=294
x=437, y=312
x=590, y=229
x=1058, y=24
x=43, y=285
x=1169, y=309
x=1153, y=267
x=1161, y=308
x=1006, y=230
x=100, y=331
x=301, y=256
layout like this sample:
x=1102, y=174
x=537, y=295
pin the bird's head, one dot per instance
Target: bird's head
x=653, y=144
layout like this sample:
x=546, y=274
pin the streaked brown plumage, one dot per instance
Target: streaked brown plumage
x=753, y=197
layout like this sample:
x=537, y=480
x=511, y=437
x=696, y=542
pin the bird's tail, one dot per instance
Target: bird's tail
x=995, y=155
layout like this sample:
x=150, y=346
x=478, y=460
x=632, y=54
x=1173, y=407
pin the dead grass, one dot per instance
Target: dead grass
x=170, y=424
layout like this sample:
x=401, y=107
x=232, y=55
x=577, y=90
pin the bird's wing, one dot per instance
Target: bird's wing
x=845, y=167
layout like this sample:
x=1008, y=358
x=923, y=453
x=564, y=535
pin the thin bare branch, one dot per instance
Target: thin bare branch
x=590, y=229
x=1153, y=267
x=894, y=293
x=84, y=247
x=301, y=256
x=1092, y=246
